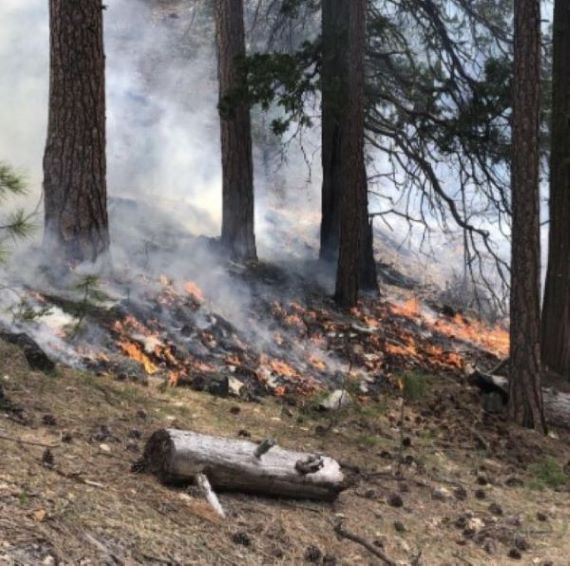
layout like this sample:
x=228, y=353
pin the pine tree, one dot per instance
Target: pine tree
x=352, y=173
x=556, y=309
x=335, y=68
x=75, y=189
x=238, y=233
x=334, y=43
x=525, y=394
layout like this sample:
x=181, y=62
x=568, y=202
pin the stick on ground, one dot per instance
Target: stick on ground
x=203, y=483
x=344, y=533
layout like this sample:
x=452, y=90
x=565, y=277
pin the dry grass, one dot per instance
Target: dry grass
x=89, y=509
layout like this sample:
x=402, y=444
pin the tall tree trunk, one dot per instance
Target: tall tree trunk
x=556, y=310
x=368, y=274
x=238, y=235
x=525, y=395
x=75, y=187
x=352, y=214
x=334, y=74
x=334, y=68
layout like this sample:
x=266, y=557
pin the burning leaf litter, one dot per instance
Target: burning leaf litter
x=172, y=332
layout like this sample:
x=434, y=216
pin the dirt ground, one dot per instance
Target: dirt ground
x=464, y=496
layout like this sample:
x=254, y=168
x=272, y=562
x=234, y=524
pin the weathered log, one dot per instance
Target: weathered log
x=177, y=456
x=556, y=403
x=37, y=359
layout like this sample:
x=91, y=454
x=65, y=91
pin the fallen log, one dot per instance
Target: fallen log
x=556, y=403
x=177, y=456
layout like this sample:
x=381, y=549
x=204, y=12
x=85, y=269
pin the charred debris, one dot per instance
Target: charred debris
x=290, y=341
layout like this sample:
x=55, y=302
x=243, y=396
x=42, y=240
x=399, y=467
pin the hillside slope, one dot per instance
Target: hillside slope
x=80, y=504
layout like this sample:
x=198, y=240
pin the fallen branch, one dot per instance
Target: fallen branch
x=204, y=484
x=28, y=442
x=177, y=456
x=556, y=403
x=344, y=533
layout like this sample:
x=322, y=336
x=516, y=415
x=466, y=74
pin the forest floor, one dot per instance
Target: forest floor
x=454, y=501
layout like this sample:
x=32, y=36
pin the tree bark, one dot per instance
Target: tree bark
x=75, y=186
x=556, y=309
x=238, y=235
x=336, y=64
x=334, y=15
x=177, y=456
x=525, y=395
x=352, y=215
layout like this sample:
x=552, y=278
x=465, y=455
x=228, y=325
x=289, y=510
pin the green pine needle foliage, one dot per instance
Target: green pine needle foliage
x=10, y=182
x=17, y=225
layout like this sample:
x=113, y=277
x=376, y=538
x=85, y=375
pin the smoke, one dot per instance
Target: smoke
x=24, y=85
x=164, y=173
x=164, y=166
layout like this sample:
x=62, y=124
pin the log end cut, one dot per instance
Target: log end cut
x=158, y=455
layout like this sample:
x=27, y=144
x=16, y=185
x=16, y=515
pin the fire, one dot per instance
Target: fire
x=194, y=291
x=279, y=367
x=233, y=360
x=135, y=352
x=445, y=357
x=295, y=321
x=371, y=322
x=317, y=363
x=401, y=349
x=495, y=340
x=131, y=325
x=411, y=308
x=202, y=367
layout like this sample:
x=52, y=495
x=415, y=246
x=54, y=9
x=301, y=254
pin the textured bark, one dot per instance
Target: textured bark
x=525, y=395
x=75, y=189
x=368, y=273
x=238, y=235
x=352, y=215
x=556, y=310
x=333, y=72
x=334, y=76
x=177, y=456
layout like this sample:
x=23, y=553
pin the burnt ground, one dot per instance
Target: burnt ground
x=490, y=494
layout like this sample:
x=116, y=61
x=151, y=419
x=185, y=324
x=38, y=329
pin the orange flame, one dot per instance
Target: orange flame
x=411, y=308
x=317, y=363
x=194, y=291
x=401, y=349
x=279, y=367
x=495, y=340
x=232, y=360
x=295, y=321
x=134, y=352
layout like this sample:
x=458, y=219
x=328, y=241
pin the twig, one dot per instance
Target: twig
x=264, y=447
x=29, y=442
x=210, y=495
x=402, y=433
x=416, y=560
x=459, y=557
x=343, y=533
x=500, y=366
x=479, y=438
